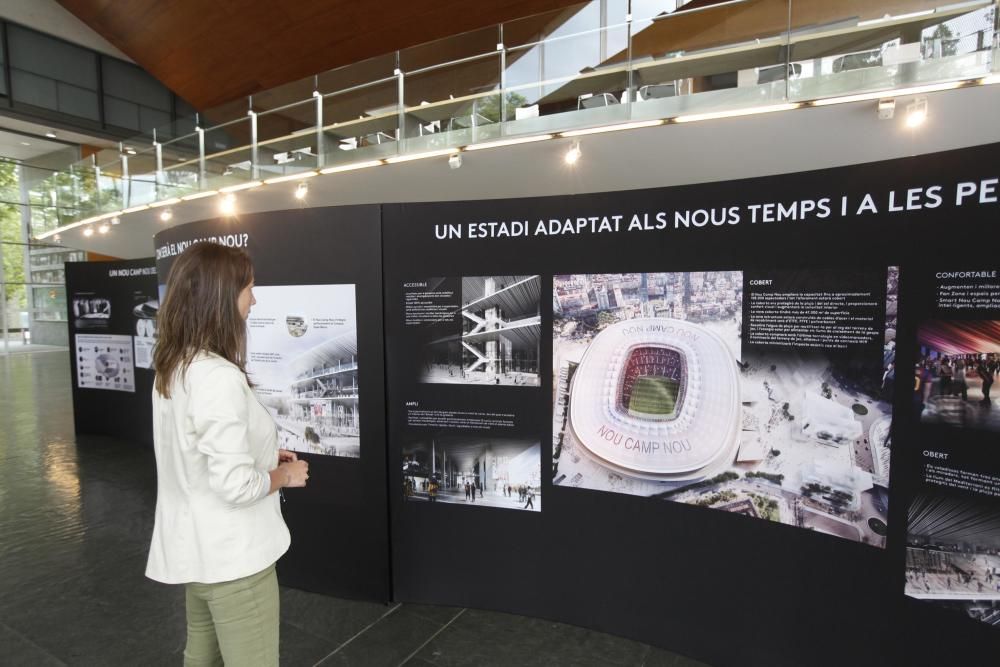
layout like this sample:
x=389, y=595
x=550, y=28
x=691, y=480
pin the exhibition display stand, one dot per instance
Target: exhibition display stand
x=733, y=460
x=111, y=311
x=682, y=415
x=315, y=352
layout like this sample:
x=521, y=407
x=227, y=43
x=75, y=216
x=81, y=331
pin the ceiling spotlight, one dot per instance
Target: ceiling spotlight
x=886, y=109
x=916, y=112
x=130, y=150
x=104, y=228
x=573, y=154
x=25, y=143
x=88, y=231
x=116, y=220
x=455, y=161
x=227, y=205
x=50, y=134
x=301, y=190
x=57, y=238
x=166, y=215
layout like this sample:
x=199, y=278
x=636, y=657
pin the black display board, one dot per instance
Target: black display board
x=111, y=310
x=315, y=352
x=596, y=339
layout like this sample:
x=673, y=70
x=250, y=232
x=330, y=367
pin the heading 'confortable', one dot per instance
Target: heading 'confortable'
x=965, y=274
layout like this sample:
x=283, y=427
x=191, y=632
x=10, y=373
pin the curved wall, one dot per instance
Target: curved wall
x=470, y=400
x=816, y=282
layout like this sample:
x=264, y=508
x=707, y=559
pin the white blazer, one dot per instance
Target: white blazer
x=214, y=444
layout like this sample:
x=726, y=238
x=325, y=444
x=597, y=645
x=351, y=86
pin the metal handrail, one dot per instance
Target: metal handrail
x=113, y=192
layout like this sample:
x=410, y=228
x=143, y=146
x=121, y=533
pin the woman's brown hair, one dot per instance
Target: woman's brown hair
x=200, y=311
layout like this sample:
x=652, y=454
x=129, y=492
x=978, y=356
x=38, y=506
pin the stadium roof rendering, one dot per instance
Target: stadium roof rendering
x=659, y=399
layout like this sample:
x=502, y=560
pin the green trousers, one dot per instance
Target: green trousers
x=233, y=623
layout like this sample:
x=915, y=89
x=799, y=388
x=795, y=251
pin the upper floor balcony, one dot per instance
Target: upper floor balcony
x=597, y=66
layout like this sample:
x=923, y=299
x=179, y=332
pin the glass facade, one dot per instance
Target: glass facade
x=32, y=277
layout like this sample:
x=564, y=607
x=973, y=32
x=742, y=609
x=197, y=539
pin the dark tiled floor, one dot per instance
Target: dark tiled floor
x=74, y=528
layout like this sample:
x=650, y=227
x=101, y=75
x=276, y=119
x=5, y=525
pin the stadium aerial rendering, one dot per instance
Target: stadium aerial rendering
x=655, y=394
x=657, y=398
x=653, y=384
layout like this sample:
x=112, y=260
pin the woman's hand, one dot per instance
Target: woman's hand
x=297, y=473
x=291, y=472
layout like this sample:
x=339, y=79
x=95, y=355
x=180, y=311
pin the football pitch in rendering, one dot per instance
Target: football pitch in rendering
x=654, y=395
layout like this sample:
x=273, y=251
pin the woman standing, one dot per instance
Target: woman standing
x=218, y=527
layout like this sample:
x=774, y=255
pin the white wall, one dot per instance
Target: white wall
x=49, y=17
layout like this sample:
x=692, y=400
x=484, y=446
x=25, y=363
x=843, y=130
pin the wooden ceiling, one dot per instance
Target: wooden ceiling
x=211, y=52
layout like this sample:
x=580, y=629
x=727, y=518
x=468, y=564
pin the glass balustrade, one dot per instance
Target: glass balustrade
x=856, y=47
x=228, y=154
x=360, y=122
x=180, y=166
x=140, y=184
x=288, y=142
x=588, y=65
x=450, y=91
x=112, y=181
x=717, y=58
x=452, y=105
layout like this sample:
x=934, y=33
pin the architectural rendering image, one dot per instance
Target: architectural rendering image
x=655, y=397
x=816, y=429
x=496, y=335
x=953, y=555
x=957, y=364
x=670, y=408
x=303, y=357
x=91, y=312
x=320, y=412
x=474, y=470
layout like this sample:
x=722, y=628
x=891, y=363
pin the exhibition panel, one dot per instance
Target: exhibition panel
x=112, y=309
x=668, y=414
x=710, y=383
x=314, y=352
x=701, y=382
x=953, y=518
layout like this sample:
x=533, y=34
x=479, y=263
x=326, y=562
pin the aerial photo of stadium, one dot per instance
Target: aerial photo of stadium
x=653, y=396
x=497, y=334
